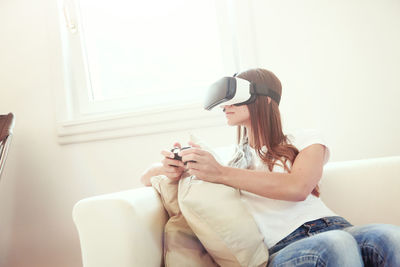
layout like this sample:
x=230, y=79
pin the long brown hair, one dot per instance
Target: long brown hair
x=266, y=124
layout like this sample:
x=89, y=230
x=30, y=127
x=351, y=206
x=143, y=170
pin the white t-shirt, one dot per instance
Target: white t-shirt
x=278, y=218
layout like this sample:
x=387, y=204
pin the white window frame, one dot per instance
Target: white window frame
x=78, y=120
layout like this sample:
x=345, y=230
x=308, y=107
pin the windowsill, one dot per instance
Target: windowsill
x=105, y=127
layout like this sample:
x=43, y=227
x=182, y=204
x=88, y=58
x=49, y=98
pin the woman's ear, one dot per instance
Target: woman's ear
x=269, y=100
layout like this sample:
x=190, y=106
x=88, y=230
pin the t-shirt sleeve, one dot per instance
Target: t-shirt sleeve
x=304, y=138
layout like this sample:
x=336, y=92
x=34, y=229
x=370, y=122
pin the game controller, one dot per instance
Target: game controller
x=176, y=150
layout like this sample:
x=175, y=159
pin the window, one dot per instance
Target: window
x=129, y=60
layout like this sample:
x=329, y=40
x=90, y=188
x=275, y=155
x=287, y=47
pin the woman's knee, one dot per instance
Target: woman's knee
x=379, y=243
x=338, y=243
x=385, y=233
x=331, y=248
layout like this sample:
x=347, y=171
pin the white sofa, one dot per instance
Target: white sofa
x=125, y=229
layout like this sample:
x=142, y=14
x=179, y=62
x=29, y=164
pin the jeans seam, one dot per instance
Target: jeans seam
x=375, y=251
x=316, y=258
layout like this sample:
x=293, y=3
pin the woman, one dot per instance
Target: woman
x=278, y=177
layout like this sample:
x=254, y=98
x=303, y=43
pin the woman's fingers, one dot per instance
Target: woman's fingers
x=167, y=153
x=194, y=166
x=192, y=158
x=192, y=144
x=173, y=172
x=176, y=144
x=172, y=162
x=170, y=169
x=192, y=151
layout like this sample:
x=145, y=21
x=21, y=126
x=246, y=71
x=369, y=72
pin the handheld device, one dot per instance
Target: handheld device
x=176, y=150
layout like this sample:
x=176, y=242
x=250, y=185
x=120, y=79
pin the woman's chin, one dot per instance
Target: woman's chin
x=231, y=123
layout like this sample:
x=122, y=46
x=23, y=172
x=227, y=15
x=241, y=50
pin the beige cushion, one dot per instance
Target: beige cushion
x=181, y=246
x=220, y=220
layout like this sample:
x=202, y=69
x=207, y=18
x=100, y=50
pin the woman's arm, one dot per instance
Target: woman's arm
x=153, y=170
x=295, y=186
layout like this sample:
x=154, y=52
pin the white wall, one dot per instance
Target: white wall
x=337, y=61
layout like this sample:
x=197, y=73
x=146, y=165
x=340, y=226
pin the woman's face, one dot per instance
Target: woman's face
x=237, y=115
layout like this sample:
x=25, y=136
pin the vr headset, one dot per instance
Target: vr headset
x=236, y=91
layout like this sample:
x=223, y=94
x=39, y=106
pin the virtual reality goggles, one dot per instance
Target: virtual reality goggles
x=236, y=91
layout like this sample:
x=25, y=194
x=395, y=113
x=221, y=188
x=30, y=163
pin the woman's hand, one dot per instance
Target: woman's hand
x=171, y=167
x=201, y=163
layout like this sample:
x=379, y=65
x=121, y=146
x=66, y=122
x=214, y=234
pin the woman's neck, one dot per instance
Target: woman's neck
x=251, y=140
x=250, y=135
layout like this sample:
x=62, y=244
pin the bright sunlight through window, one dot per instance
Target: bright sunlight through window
x=154, y=52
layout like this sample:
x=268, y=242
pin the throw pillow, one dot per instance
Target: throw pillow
x=181, y=246
x=221, y=221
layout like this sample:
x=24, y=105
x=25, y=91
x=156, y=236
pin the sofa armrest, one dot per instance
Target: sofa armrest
x=123, y=229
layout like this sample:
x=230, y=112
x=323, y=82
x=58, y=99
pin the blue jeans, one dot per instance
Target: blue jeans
x=333, y=241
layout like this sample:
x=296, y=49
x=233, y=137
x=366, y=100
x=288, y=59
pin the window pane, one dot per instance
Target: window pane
x=168, y=49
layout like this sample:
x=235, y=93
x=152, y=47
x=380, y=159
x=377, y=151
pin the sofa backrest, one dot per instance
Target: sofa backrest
x=364, y=191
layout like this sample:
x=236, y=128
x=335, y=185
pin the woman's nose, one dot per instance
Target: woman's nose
x=225, y=106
